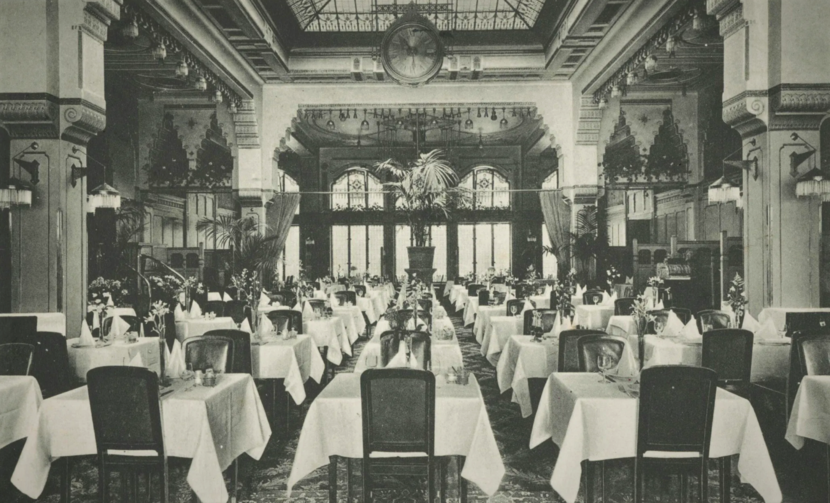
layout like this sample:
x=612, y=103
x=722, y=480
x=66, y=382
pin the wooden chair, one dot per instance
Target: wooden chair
x=710, y=319
x=513, y=307
x=591, y=347
x=50, y=363
x=283, y=320
x=236, y=309
x=674, y=428
x=344, y=298
x=728, y=351
x=209, y=352
x=398, y=426
x=623, y=307
x=420, y=348
x=483, y=297
x=390, y=343
x=11, y=327
x=592, y=297
x=568, y=358
x=241, y=348
x=216, y=307
x=473, y=288
x=16, y=358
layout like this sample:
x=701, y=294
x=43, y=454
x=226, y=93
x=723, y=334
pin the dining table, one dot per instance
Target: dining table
x=526, y=358
x=46, y=322
x=367, y=307
x=20, y=400
x=330, y=333
x=333, y=428
x=120, y=351
x=293, y=360
x=352, y=318
x=212, y=426
x=779, y=314
x=499, y=329
x=482, y=320
x=810, y=416
x=445, y=350
x=190, y=327
x=593, y=316
x=595, y=419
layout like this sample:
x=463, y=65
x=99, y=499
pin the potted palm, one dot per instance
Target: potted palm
x=423, y=187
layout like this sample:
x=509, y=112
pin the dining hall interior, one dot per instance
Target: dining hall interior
x=403, y=251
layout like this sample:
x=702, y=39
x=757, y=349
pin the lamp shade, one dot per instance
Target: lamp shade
x=812, y=183
x=721, y=191
x=6, y=197
x=105, y=196
x=21, y=192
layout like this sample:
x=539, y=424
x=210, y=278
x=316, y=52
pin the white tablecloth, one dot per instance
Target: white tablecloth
x=120, y=352
x=439, y=324
x=482, y=319
x=329, y=332
x=198, y=326
x=623, y=326
x=470, y=311
x=46, y=322
x=499, y=330
x=20, y=400
x=333, y=427
x=368, y=307
x=522, y=359
x=591, y=420
x=448, y=286
x=593, y=317
x=810, y=416
x=462, y=298
x=541, y=301
x=294, y=360
x=212, y=426
x=353, y=320
x=445, y=353
x=769, y=361
x=779, y=314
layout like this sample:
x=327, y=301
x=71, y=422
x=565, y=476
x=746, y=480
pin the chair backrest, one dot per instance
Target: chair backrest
x=318, y=306
x=798, y=365
x=390, y=342
x=513, y=307
x=345, y=297
x=50, y=363
x=315, y=285
x=425, y=306
x=126, y=412
x=568, y=358
x=420, y=347
x=241, y=341
x=398, y=411
x=498, y=280
x=710, y=319
x=289, y=298
x=16, y=358
x=807, y=321
x=360, y=290
x=548, y=320
x=524, y=290
x=209, y=352
x=676, y=408
x=473, y=288
x=236, y=309
x=216, y=307
x=623, y=307
x=814, y=354
x=500, y=296
x=728, y=351
x=682, y=313
x=591, y=347
x=483, y=297
x=13, y=326
x=283, y=320
x=661, y=317
x=592, y=297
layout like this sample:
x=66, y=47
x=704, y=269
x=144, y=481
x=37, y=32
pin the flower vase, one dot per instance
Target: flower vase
x=641, y=341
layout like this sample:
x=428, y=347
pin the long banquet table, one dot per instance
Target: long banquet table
x=595, y=421
x=210, y=425
x=333, y=427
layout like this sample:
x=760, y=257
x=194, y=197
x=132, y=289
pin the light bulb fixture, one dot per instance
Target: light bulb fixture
x=342, y=116
x=603, y=103
x=160, y=52
x=217, y=96
x=813, y=183
x=6, y=197
x=699, y=21
x=182, y=70
x=671, y=45
x=722, y=191
x=130, y=30
x=650, y=63
x=531, y=237
x=330, y=124
x=615, y=91
x=364, y=125
x=21, y=192
x=468, y=124
x=232, y=107
x=479, y=114
x=493, y=116
x=105, y=196
x=200, y=84
x=503, y=122
x=480, y=140
x=632, y=78
x=796, y=159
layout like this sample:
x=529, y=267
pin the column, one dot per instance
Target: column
x=52, y=103
x=248, y=168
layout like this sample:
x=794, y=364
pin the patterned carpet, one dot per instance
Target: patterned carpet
x=526, y=479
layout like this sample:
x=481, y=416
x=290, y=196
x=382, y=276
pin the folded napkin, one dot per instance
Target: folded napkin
x=86, y=335
x=109, y=300
x=606, y=300
x=245, y=326
x=136, y=361
x=195, y=310
x=629, y=280
x=557, y=327
x=548, y=289
x=178, y=314
x=767, y=332
x=265, y=326
x=175, y=365
x=402, y=296
x=673, y=326
x=264, y=300
x=226, y=297
x=308, y=311
x=96, y=323
x=659, y=305
x=140, y=330
x=566, y=324
x=690, y=332
x=613, y=298
x=527, y=306
x=119, y=327
x=580, y=290
x=214, y=296
x=750, y=323
x=399, y=360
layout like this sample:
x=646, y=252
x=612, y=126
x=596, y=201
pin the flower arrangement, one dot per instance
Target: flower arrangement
x=248, y=288
x=612, y=276
x=564, y=289
x=167, y=288
x=736, y=298
x=655, y=281
x=536, y=326
x=116, y=288
x=640, y=312
x=531, y=274
x=157, y=313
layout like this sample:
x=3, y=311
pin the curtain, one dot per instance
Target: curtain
x=279, y=214
x=557, y=216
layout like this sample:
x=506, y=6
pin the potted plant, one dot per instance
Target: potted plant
x=423, y=187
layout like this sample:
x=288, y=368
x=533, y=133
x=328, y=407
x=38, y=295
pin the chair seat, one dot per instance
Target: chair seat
x=381, y=454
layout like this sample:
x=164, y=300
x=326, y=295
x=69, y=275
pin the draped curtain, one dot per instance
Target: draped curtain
x=279, y=214
x=557, y=216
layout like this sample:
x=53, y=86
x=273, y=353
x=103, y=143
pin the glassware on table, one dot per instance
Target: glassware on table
x=198, y=381
x=463, y=377
x=659, y=326
x=605, y=363
x=371, y=360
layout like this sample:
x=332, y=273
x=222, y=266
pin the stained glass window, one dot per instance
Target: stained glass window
x=490, y=189
x=357, y=189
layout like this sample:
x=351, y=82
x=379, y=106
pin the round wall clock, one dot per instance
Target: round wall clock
x=411, y=50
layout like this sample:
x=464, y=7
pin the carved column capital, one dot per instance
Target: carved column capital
x=81, y=120
x=245, y=125
x=729, y=13
x=590, y=118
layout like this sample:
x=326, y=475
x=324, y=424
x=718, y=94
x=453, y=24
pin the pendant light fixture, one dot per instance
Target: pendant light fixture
x=330, y=124
x=160, y=52
x=364, y=125
x=201, y=84
x=722, y=191
x=130, y=30
x=468, y=124
x=217, y=96
x=503, y=121
x=182, y=70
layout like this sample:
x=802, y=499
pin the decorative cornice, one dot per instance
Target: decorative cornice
x=720, y=8
x=746, y=112
x=732, y=22
x=253, y=197
x=84, y=120
x=590, y=119
x=784, y=107
x=245, y=125
x=30, y=116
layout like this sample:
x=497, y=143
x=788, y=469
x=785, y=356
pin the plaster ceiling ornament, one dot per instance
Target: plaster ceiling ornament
x=411, y=51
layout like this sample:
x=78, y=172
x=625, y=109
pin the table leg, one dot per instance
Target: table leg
x=589, y=482
x=442, y=473
x=234, y=479
x=462, y=482
x=348, y=480
x=65, y=479
x=333, y=479
x=725, y=476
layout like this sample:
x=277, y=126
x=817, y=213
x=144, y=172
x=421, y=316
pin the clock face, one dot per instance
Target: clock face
x=412, y=53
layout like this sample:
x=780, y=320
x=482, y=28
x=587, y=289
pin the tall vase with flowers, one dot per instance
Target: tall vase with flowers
x=736, y=298
x=654, y=284
x=564, y=289
x=640, y=312
x=248, y=288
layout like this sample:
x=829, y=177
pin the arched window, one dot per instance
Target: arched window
x=360, y=190
x=491, y=190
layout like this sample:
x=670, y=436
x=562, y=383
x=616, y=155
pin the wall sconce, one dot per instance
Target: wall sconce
x=750, y=165
x=309, y=241
x=103, y=196
x=18, y=192
x=31, y=167
x=722, y=190
x=797, y=159
x=531, y=237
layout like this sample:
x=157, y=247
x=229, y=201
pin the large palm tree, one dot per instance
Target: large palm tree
x=251, y=248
